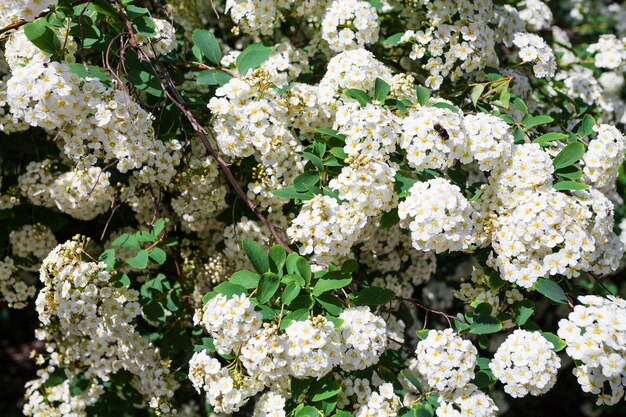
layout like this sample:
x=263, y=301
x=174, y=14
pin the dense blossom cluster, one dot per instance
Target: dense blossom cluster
x=372, y=178
x=525, y=364
x=595, y=333
x=445, y=360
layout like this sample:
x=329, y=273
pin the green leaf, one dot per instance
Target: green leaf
x=246, y=279
x=277, y=258
x=477, y=91
x=153, y=310
x=158, y=227
x=308, y=411
x=569, y=155
x=43, y=37
x=89, y=71
x=298, y=315
x=393, y=39
x=485, y=325
x=121, y=281
x=484, y=378
x=543, y=140
x=158, y=255
x=208, y=45
x=520, y=105
x=373, y=296
x=423, y=95
x=358, y=95
x=290, y=292
x=523, y=311
x=324, y=389
x=328, y=284
x=533, y=121
x=256, y=253
x=389, y=219
x=412, y=379
x=213, y=77
x=558, y=344
x=291, y=193
x=571, y=173
x=330, y=303
x=381, y=89
x=303, y=269
x=586, y=126
x=252, y=57
x=338, y=152
x=519, y=136
x=108, y=257
x=139, y=261
x=307, y=180
x=319, y=164
x=229, y=289
x=570, y=185
x=551, y=290
x=267, y=287
x=55, y=378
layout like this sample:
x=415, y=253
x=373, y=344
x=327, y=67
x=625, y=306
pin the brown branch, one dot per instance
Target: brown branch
x=175, y=97
x=428, y=309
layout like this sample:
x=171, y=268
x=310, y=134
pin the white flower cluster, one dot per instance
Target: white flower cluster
x=12, y=11
x=610, y=52
x=445, y=360
x=326, y=228
x=433, y=138
x=536, y=14
x=34, y=240
x=357, y=69
x=526, y=364
x=270, y=404
x=381, y=403
x=458, y=38
x=88, y=325
x=257, y=17
x=197, y=193
x=371, y=130
x=367, y=185
x=468, y=401
x=438, y=216
x=161, y=42
x=94, y=121
x=363, y=338
x=252, y=119
x=488, y=138
x=225, y=392
x=264, y=355
x=13, y=290
x=595, y=333
x=535, y=50
x=603, y=158
x=314, y=347
x=349, y=24
x=229, y=321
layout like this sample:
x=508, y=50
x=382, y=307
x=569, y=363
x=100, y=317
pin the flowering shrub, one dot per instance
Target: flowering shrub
x=307, y=208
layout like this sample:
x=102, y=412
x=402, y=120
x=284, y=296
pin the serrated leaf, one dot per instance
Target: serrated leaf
x=213, y=77
x=381, y=89
x=208, y=45
x=551, y=290
x=252, y=57
x=158, y=255
x=246, y=279
x=570, y=186
x=532, y=121
x=290, y=292
x=569, y=155
x=373, y=296
x=139, y=261
x=558, y=344
x=268, y=285
x=520, y=105
x=485, y=325
x=358, y=95
x=523, y=311
x=477, y=91
x=256, y=253
x=586, y=126
x=544, y=139
x=393, y=39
